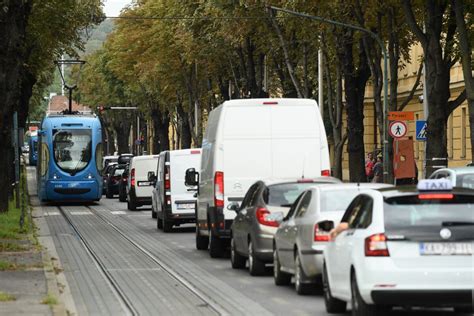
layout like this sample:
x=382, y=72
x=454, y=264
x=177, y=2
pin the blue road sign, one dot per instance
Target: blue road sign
x=420, y=130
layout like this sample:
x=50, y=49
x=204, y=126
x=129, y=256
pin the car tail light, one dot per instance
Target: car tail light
x=303, y=180
x=436, y=196
x=262, y=214
x=195, y=152
x=319, y=234
x=376, y=246
x=270, y=103
x=219, y=189
x=325, y=173
x=167, y=178
x=132, y=177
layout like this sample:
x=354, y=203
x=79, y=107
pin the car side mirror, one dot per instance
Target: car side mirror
x=191, y=178
x=326, y=226
x=233, y=207
x=151, y=176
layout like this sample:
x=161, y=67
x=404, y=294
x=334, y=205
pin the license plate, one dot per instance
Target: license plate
x=143, y=183
x=445, y=248
x=186, y=206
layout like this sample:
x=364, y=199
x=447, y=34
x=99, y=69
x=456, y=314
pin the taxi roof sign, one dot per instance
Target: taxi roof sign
x=435, y=185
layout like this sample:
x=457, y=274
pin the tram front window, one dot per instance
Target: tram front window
x=72, y=149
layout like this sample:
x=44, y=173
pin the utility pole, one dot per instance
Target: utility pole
x=320, y=82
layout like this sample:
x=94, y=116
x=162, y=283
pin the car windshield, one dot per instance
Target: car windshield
x=72, y=149
x=411, y=211
x=337, y=200
x=284, y=194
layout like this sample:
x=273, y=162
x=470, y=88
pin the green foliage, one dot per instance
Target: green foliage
x=50, y=300
x=5, y=297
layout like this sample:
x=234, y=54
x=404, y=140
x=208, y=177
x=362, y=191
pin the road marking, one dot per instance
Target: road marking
x=51, y=213
x=118, y=212
x=81, y=213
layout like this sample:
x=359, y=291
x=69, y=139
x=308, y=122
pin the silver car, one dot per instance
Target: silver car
x=256, y=221
x=302, y=235
x=459, y=177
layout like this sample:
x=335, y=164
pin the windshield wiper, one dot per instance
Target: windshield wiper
x=459, y=223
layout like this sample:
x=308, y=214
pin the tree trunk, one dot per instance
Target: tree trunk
x=122, y=131
x=186, y=138
x=161, y=123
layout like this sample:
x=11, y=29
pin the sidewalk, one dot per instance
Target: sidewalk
x=30, y=278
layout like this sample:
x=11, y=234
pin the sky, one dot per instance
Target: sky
x=113, y=7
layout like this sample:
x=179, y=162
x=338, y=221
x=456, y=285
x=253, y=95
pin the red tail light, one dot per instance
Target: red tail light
x=167, y=178
x=132, y=177
x=376, y=246
x=325, y=173
x=436, y=196
x=320, y=235
x=219, y=189
x=262, y=214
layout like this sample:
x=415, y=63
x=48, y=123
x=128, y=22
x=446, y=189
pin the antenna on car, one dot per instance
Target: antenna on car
x=304, y=161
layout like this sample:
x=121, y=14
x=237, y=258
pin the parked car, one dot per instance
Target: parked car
x=251, y=139
x=256, y=222
x=122, y=187
x=303, y=234
x=109, y=160
x=173, y=202
x=113, y=180
x=124, y=158
x=459, y=177
x=139, y=188
x=403, y=247
x=106, y=174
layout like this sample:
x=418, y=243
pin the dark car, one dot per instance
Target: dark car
x=105, y=176
x=122, y=187
x=113, y=180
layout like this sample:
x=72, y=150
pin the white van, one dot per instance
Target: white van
x=249, y=140
x=139, y=189
x=173, y=203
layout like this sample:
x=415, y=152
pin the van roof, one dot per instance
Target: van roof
x=144, y=157
x=269, y=101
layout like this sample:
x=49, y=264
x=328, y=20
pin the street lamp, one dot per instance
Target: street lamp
x=385, y=73
x=69, y=86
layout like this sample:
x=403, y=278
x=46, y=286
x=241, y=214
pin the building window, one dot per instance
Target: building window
x=450, y=137
x=463, y=132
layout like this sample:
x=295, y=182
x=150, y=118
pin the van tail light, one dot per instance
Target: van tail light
x=376, y=246
x=325, y=173
x=319, y=234
x=168, y=199
x=262, y=214
x=219, y=189
x=167, y=178
x=132, y=177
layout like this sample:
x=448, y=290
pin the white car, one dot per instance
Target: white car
x=139, y=188
x=300, y=239
x=403, y=247
x=459, y=177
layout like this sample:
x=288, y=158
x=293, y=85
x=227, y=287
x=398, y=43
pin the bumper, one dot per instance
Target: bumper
x=143, y=200
x=424, y=298
x=263, y=244
x=312, y=261
x=73, y=191
x=181, y=218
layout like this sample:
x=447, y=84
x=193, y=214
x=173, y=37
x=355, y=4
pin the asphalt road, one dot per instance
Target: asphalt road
x=117, y=262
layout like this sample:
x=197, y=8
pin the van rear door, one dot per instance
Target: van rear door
x=182, y=200
x=142, y=166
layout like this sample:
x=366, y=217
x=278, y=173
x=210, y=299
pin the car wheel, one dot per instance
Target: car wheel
x=216, y=248
x=301, y=285
x=464, y=309
x=256, y=266
x=237, y=260
x=167, y=226
x=159, y=223
x=131, y=204
x=202, y=242
x=108, y=194
x=122, y=197
x=280, y=277
x=153, y=213
x=359, y=307
x=333, y=305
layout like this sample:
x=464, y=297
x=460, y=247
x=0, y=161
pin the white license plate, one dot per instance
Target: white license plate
x=143, y=183
x=185, y=206
x=445, y=248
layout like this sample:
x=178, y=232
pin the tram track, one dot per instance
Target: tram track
x=127, y=302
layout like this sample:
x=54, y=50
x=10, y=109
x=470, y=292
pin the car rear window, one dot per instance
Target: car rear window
x=465, y=181
x=284, y=194
x=411, y=211
x=118, y=172
x=337, y=200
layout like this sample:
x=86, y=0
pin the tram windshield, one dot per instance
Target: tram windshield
x=72, y=149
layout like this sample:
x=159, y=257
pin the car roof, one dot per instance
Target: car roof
x=458, y=170
x=352, y=185
x=412, y=190
x=315, y=180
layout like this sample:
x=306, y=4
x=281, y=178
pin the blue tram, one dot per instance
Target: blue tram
x=33, y=152
x=70, y=158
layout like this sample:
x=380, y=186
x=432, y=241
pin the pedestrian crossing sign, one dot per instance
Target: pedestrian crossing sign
x=420, y=130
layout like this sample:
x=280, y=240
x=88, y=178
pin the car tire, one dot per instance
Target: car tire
x=122, y=197
x=280, y=277
x=256, y=266
x=202, y=242
x=108, y=194
x=153, y=213
x=216, y=247
x=333, y=305
x=159, y=223
x=359, y=307
x=238, y=261
x=167, y=226
x=301, y=287
x=464, y=309
x=131, y=204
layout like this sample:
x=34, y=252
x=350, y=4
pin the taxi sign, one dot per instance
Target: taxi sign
x=435, y=185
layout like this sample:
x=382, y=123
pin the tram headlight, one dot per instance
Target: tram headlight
x=90, y=176
x=55, y=177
